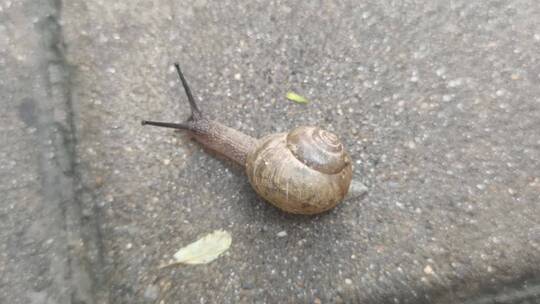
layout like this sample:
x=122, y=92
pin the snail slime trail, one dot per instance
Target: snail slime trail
x=304, y=171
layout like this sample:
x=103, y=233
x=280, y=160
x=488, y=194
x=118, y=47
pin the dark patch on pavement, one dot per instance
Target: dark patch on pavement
x=27, y=111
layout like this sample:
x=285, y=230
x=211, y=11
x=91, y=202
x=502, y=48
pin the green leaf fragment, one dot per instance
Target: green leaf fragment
x=296, y=98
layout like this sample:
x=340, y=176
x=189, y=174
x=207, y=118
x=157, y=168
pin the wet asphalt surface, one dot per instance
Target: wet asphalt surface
x=438, y=103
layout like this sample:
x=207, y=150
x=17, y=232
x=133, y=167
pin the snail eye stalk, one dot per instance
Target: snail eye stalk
x=180, y=126
x=195, y=112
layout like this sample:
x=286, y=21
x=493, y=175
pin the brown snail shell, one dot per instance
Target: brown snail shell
x=306, y=171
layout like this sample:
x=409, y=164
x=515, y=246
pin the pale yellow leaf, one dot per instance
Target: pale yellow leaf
x=296, y=97
x=204, y=250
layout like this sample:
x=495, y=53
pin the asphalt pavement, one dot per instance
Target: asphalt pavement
x=438, y=103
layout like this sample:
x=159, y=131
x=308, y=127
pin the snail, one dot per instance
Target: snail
x=305, y=171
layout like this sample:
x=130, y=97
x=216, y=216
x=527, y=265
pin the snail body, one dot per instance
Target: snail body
x=304, y=171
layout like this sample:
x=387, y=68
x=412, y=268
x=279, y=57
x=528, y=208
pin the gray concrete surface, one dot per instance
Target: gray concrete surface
x=438, y=102
x=42, y=247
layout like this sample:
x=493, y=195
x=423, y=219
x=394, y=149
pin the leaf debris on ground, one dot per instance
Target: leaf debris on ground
x=204, y=250
x=296, y=98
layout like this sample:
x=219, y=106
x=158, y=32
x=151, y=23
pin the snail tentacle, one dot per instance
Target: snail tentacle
x=195, y=112
x=181, y=126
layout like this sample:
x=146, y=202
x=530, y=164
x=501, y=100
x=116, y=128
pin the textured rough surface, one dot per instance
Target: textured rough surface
x=438, y=103
x=43, y=254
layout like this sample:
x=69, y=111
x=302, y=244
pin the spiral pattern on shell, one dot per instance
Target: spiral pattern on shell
x=306, y=171
x=318, y=149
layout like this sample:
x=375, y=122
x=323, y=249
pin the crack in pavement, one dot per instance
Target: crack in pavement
x=60, y=179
